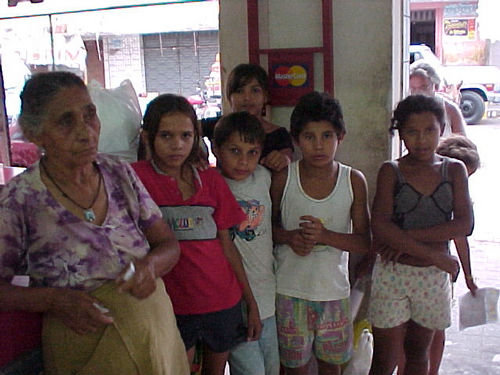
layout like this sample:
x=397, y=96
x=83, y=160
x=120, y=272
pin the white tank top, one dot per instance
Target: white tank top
x=322, y=275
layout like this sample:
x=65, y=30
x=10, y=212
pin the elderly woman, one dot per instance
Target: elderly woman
x=92, y=241
x=425, y=80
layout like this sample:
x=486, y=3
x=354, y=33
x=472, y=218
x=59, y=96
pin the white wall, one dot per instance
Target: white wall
x=363, y=74
x=365, y=79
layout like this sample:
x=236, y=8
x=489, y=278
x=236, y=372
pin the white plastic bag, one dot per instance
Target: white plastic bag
x=479, y=309
x=361, y=359
x=121, y=117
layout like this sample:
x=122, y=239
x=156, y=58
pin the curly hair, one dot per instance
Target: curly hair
x=416, y=104
x=462, y=148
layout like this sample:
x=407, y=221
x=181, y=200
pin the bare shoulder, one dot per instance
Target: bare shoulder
x=359, y=185
x=456, y=168
x=357, y=177
x=448, y=103
x=455, y=116
x=387, y=169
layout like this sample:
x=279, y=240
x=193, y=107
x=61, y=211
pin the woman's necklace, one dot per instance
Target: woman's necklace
x=88, y=212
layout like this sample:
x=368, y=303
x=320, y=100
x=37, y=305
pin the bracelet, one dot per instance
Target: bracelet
x=469, y=277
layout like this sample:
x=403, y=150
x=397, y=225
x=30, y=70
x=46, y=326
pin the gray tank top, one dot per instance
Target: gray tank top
x=413, y=210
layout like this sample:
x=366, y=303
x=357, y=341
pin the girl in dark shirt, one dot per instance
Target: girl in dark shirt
x=247, y=90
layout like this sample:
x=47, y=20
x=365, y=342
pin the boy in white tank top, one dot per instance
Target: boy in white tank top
x=320, y=214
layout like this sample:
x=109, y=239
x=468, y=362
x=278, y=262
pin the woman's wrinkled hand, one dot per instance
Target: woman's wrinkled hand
x=79, y=311
x=254, y=324
x=142, y=283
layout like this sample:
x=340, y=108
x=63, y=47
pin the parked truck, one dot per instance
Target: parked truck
x=478, y=84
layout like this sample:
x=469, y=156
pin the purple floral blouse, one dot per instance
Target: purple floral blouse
x=40, y=238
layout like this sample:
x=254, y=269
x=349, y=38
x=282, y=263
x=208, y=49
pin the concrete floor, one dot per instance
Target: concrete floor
x=476, y=350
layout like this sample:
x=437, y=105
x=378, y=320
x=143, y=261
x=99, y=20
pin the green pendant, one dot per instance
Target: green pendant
x=89, y=215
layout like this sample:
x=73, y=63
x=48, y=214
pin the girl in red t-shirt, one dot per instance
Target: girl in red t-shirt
x=208, y=282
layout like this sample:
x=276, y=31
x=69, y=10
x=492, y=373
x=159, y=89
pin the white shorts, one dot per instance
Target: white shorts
x=401, y=293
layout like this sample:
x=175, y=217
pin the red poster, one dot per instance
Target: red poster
x=291, y=75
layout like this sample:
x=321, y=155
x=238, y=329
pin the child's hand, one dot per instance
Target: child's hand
x=471, y=285
x=299, y=244
x=254, y=323
x=275, y=161
x=312, y=229
x=447, y=263
x=388, y=254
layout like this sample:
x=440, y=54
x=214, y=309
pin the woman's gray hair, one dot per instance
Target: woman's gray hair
x=427, y=71
x=37, y=93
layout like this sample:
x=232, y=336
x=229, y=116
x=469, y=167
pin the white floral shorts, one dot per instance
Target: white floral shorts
x=401, y=293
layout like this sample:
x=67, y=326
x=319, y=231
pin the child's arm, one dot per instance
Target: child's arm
x=292, y=238
x=462, y=222
x=234, y=258
x=387, y=233
x=359, y=240
x=276, y=160
x=462, y=245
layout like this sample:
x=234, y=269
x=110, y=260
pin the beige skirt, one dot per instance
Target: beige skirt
x=143, y=339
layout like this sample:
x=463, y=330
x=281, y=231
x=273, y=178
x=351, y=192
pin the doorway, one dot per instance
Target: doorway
x=423, y=28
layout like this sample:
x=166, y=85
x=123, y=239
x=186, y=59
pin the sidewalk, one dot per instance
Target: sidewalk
x=476, y=350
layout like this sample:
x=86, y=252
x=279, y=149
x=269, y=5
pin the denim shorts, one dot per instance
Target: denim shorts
x=259, y=357
x=219, y=330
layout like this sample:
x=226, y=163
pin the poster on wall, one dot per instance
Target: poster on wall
x=291, y=75
x=465, y=28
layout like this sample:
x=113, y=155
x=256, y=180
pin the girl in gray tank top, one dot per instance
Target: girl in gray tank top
x=422, y=201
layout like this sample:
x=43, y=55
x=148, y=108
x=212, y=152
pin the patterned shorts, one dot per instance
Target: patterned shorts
x=401, y=293
x=305, y=327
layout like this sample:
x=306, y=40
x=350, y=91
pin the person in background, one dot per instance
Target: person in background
x=207, y=284
x=421, y=202
x=93, y=242
x=238, y=141
x=320, y=215
x=247, y=90
x=424, y=80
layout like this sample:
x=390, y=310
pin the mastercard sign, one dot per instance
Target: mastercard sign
x=290, y=76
